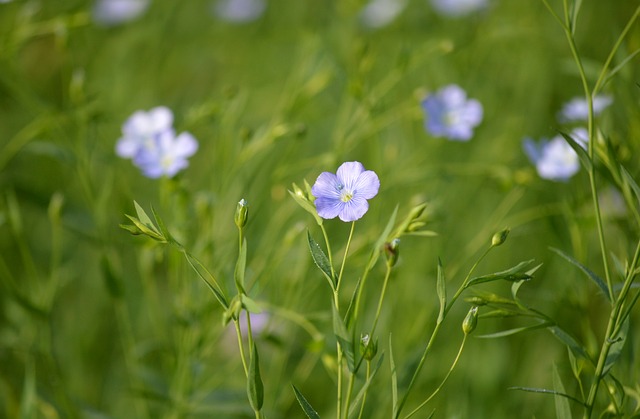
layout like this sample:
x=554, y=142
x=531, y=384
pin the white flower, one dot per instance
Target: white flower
x=577, y=109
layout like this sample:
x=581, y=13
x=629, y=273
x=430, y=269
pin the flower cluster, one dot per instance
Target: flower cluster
x=151, y=142
x=555, y=159
x=450, y=114
x=345, y=194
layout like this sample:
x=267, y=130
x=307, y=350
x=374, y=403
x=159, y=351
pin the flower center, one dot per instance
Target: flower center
x=346, y=196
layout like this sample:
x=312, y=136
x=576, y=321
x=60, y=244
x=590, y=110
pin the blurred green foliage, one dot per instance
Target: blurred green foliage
x=96, y=323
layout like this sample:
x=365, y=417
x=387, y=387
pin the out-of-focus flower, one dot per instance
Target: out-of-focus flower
x=113, y=12
x=151, y=142
x=167, y=155
x=239, y=11
x=577, y=109
x=379, y=13
x=458, y=8
x=345, y=194
x=450, y=114
x=555, y=159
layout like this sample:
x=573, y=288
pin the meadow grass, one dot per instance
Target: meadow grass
x=95, y=322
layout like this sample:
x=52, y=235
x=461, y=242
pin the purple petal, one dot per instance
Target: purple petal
x=161, y=118
x=326, y=186
x=348, y=173
x=127, y=147
x=367, y=185
x=354, y=209
x=185, y=145
x=329, y=208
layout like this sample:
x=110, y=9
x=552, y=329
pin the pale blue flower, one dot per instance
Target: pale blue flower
x=577, y=109
x=458, y=8
x=113, y=12
x=141, y=129
x=379, y=13
x=450, y=114
x=555, y=159
x=239, y=11
x=166, y=155
x=345, y=194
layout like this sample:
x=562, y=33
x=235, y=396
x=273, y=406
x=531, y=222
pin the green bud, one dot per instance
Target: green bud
x=500, y=237
x=392, y=251
x=476, y=301
x=471, y=321
x=242, y=213
x=233, y=312
x=368, y=348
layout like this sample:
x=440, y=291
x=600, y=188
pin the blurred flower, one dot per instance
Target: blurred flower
x=259, y=322
x=577, y=109
x=458, y=8
x=449, y=113
x=150, y=141
x=379, y=13
x=113, y=12
x=239, y=11
x=167, y=155
x=555, y=159
x=345, y=194
x=140, y=130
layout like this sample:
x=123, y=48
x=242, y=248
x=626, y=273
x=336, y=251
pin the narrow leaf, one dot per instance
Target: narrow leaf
x=514, y=331
x=255, y=390
x=595, y=278
x=441, y=289
x=563, y=410
x=342, y=335
x=298, y=196
x=214, y=287
x=580, y=151
x=363, y=390
x=516, y=273
x=163, y=229
x=143, y=217
x=546, y=391
x=631, y=181
x=571, y=343
x=394, y=379
x=321, y=260
x=306, y=407
x=241, y=265
x=250, y=305
x=616, y=347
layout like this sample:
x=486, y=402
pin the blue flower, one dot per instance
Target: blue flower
x=458, y=8
x=345, y=194
x=167, y=155
x=555, y=159
x=141, y=129
x=577, y=109
x=450, y=114
x=379, y=13
x=151, y=142
x=113, y=12
x=239, y=11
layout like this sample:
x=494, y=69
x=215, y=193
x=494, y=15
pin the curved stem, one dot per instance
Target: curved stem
x=446, y=377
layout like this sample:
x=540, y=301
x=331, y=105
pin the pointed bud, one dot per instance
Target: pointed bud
x=368, y=348
x=500, y=237
x=392, y=252
x=471, y=321
x=242, y=213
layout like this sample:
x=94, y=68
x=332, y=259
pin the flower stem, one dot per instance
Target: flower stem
x=382, y=294
x=344, y=258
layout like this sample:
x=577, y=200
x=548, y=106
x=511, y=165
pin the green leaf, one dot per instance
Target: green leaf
x=161, y=226
x=142, y=228
x=514, y=331
x=213, y=285
x=516, y=273
x=595, y=278
x=250, y=305
x=631, y=182
x=580, y=151
x=563, y=410
x=241, y=265
x=571, y=343
x=394, y=379
x=298, y=195
x=616, y=347
x=345, y=341
x=306, y=407
x=321, y=261
x=255, y=390
x=546, y=391
x=441, y=289
x=143, y=217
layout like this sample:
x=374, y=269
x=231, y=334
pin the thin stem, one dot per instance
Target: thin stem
x=349, y=391
x=382, y=294
x=326, y=241
x=364, y=396
x=346, y=252
x=437, y=329
x=236, y=323
x=446, y=377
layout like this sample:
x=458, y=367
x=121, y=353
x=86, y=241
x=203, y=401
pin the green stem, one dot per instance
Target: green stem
x=326, y=241
x=364, y=396
x=436, y=330
x=382, y=294
x=344, y=258
x=349, y=391
x=243, y=357
x=446, y=377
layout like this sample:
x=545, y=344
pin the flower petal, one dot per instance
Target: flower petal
x=185, y=145
x=326, y=186
x=348, y=173
x=354, y=209
x=329, y=208
x=367, y=185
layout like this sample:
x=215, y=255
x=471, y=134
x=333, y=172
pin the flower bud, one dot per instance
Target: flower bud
x=242, y=213
x=476, y=301
x=392, y=251
x=500, y=237
x=233, y=312
x=368, y=348
x=471, y=321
